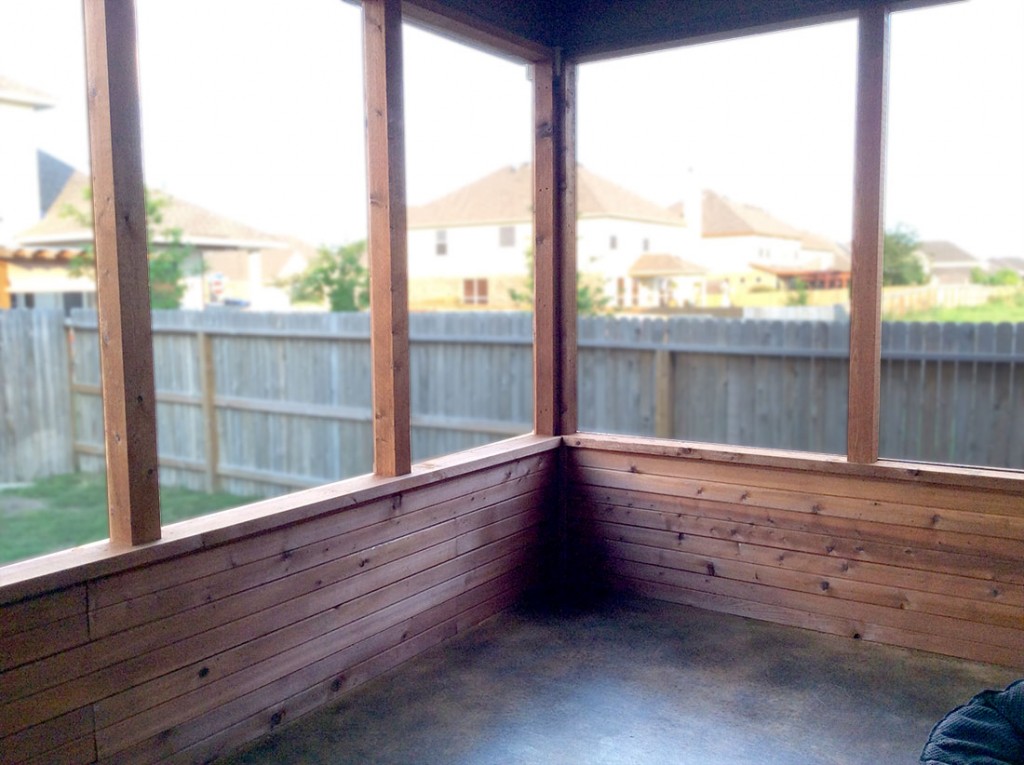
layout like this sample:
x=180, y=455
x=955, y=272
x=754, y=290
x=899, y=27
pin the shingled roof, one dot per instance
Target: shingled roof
x=946, y=253
x=198, y=225
x=506, y=196
x=725, y=217
x=657, y=264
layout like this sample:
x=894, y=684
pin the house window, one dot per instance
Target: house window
x=647, y=245
x=613, y=242
x=441, y=243
x=507, y=236
x=474, y=291
x=620, y=292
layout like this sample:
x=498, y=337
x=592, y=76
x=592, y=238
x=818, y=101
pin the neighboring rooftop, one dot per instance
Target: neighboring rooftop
x=506, y=196
x=657, y=264
x=199, y=226
x=726, y=217
x=944, y=254
x=15, y=93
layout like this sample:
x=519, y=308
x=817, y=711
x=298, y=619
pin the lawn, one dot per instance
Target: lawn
x=68, y=510
x=1007, y=309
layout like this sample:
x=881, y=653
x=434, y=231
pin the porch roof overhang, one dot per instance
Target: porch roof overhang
x=591, y=29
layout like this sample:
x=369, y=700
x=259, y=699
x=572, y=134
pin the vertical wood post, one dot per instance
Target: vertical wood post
x=69, y=347
x=866, y=279
x=122, y=272
x=389, y=296
x=5, y=295
x=664, y=411
x=554, y=205
x=208, y=381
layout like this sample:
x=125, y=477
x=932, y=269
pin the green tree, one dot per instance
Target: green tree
x=590, y=299
x=169, y=258
x=797, y=294
x=1004, y=277
x=338, y=276
x=901, y=264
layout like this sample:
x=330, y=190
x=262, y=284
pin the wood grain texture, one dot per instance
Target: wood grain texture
x=122, y=272
x=554, y=211
x=866, y=257
x=388, y=251
x=182, y=658
x=909, y=563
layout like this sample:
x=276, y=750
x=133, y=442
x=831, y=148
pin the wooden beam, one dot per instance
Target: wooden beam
x=122, y=272
x=554, y=204
x=389, y=295
x=466, y=29
x=866, y=278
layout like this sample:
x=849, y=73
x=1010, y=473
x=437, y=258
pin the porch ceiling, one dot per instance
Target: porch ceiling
x=595, y=28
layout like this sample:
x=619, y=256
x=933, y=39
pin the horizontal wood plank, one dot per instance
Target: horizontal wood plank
x=755, y=566
x=131, y=584
x=43, y=739
x=261, y=710
x=937, y=496
x=940, y=628
x=833, y=555
x=35, y=612
x=835, y=625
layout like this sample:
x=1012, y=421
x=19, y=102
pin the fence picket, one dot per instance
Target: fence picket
x=292, y=391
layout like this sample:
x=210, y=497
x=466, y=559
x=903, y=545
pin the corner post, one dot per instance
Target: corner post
x=554, y=205
x=866, y=279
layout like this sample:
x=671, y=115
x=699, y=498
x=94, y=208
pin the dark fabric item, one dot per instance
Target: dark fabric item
x=988, y=730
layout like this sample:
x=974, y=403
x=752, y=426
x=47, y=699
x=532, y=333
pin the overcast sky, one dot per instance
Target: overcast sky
x=253, y=108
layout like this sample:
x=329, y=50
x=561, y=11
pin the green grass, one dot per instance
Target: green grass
x=1008, y=309
x=69, y=510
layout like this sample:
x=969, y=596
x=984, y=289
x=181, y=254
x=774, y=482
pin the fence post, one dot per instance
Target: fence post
x=208, y=382
x=663, y=398
x=69, y=347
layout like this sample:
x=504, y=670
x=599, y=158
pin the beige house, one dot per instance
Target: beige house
x=472, y=246
x=745, y=248
x=235, y=264
x=946, y=263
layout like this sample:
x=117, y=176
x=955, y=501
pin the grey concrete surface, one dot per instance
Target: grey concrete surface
x=638, y=681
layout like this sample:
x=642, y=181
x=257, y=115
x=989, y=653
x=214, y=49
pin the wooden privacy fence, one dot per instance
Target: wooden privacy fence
x=262, y=403
x=35, y=415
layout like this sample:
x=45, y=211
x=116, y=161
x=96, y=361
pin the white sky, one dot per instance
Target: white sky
x=253, y=108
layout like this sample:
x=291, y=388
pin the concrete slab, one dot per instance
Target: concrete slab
x=639, y=681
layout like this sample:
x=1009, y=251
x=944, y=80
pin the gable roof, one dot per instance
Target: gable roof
x=942, y=253
x=15, y=93
x=506, y=197
x=657, y=264
x=199, y=226
x=725, y=217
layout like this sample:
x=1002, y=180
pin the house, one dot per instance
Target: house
x=947, y=263
x=19, y=177
x=44, y=206
x=181, y=643
x=747, y=248
x=233, y=263
x=1007, y=264
x=472, y=246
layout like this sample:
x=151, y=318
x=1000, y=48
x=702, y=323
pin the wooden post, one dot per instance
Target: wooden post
x=554, y=311
x=208, y=381
x=122, y=272
x=866, y=278
x=5, y=295
x=69, y=345
x=389, y=296
x=664, y=411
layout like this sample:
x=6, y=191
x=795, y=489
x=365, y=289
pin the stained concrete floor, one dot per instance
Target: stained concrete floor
x=638, y=681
